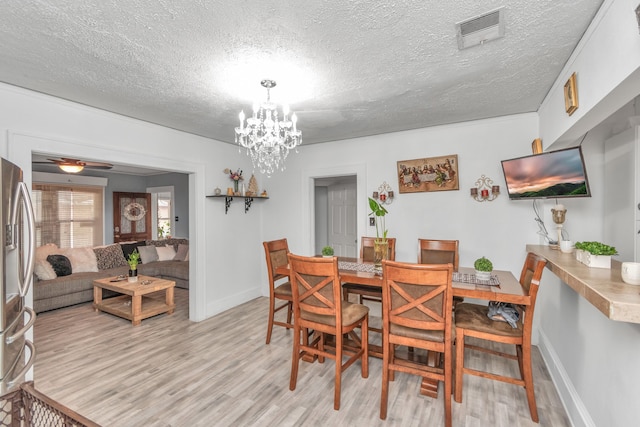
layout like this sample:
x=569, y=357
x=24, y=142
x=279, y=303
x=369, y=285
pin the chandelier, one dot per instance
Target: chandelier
x=266, y=138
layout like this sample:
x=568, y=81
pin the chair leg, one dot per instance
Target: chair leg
x=448, y=374
x=338, y=381
x=528, y=382
x=459, y=364
x=295, y=357
x=384, y=397
x=271, y=314
x=364, y=342
x=289, y=312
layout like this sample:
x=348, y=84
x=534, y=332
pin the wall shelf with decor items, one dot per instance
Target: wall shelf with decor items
x=228, y=199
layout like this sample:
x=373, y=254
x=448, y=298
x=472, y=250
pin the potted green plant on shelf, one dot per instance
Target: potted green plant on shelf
x=133, y=260
x=381, y=245
x=327, y=251
x=483, y=267
x=595, y=254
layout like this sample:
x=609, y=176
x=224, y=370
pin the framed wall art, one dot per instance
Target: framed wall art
x=429, y=174
x=571, y=95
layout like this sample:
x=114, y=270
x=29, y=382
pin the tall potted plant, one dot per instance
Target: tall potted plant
x=133, y=260
x=381, y=245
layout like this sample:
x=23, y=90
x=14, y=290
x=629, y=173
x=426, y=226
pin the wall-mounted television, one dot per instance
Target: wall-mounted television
x=555, y=174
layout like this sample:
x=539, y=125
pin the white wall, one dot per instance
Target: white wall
x=593, y=360
x=607, y=67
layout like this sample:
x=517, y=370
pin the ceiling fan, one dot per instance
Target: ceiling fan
x=76, y=165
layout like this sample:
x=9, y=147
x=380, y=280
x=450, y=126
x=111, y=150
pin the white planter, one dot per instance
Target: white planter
x=596, y=261
x=483, y=275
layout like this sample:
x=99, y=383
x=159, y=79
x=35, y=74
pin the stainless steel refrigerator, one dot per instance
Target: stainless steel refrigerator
x=17, y=354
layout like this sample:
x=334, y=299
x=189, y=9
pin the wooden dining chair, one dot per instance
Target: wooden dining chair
x=276, y=252
x=416, y=312
x=368, y=293
x=317, y=306
x=471, y=320
x=432, y=251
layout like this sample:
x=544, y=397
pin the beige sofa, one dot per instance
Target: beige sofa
x=77, y=287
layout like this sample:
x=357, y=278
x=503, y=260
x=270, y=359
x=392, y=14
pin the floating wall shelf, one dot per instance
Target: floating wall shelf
x=228, y=199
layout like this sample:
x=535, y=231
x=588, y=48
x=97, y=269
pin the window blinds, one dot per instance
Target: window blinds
x=69, y=216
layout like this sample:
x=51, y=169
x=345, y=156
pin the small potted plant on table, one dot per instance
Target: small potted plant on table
x=483, y=267
x=595, y=254
x=133, y=260
x=327, y=251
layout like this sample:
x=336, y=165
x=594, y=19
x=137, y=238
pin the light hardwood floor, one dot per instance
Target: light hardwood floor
x=172, y=372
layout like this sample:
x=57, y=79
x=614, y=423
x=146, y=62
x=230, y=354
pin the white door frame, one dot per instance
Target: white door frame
x=308, y=200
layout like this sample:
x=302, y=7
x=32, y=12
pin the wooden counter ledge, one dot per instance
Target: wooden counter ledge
x=602, y=287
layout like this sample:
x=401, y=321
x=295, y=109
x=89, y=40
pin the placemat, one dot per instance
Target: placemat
x=472, y=279
x=355, y=266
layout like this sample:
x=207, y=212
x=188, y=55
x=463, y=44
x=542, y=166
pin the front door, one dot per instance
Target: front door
x=131, y=217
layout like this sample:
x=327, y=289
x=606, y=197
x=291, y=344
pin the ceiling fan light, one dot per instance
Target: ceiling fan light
x=71, y=168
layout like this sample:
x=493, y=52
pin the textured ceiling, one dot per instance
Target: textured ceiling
x=347, y=68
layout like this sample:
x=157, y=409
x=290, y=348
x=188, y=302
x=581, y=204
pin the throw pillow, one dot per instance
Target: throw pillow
x=128, y=248
x=182, y=253
x=110, y=257
x=166, y=253
x=82, y=259
x=148, y=254
x=43, y=270
x=61, y=264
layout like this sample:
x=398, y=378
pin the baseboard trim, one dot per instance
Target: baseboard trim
x=576, y=411
x=232, y=301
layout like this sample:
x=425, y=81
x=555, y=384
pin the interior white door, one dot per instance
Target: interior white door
x=342, y=219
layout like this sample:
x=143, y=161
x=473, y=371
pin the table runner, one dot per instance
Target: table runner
x=356, y=266
x=472, y=279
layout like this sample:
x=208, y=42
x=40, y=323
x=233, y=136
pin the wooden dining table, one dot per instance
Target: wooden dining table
x=504, y=287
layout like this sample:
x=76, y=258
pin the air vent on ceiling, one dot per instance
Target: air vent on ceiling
x=480, y=29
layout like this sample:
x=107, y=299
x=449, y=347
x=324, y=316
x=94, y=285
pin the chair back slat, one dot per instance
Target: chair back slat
x=276, y=252
x=530, y=281
x=432, y=251
x=417, y=295
x=315, y=285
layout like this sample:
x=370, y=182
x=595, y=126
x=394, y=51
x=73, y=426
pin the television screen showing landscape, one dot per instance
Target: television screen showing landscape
x=548, y=175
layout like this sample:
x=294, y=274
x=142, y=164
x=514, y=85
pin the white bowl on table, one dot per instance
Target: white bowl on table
x=630, y=272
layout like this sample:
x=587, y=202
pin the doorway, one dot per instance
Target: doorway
x=336, y=214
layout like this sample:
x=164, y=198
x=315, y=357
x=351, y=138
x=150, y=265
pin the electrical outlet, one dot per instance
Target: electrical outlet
x=372, y=222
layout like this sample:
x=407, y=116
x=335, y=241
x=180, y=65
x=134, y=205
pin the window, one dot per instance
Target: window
x=164, y=215
x=163, y=211
x=69, y=216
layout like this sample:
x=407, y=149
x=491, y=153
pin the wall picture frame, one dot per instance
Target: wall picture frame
x=571, y=95
x=428, y=174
